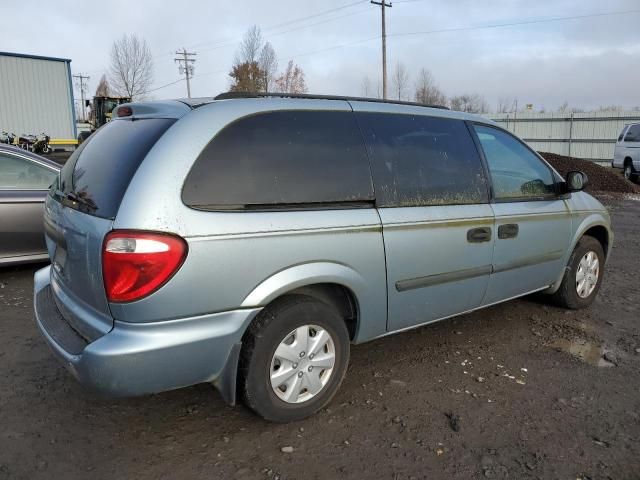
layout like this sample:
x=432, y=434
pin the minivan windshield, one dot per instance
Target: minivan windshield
x=96, y=176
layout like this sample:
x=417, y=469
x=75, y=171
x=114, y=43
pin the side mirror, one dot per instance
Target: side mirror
x=576, y=181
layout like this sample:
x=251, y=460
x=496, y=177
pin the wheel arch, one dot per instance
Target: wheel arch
x=335, y=284
x=600, y=233
x=594, y=226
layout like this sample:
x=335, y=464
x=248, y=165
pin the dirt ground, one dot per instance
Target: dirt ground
x=519, y=390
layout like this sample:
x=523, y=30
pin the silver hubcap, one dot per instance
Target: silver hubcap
x=587, y=274
x=302, y=364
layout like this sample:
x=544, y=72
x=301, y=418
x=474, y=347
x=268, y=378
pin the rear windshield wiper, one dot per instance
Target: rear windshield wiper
x=79, y=199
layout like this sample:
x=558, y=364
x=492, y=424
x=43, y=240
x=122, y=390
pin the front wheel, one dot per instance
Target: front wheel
x=628, y=171
x=294, y=358
x=583, y=276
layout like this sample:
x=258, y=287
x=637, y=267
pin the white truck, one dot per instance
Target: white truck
x=627, y=152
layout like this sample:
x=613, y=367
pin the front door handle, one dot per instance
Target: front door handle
x=508, y=230
x=479, y=235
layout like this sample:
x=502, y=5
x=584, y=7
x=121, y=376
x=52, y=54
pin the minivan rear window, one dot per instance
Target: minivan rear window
x=283, y=159
x=96, y=176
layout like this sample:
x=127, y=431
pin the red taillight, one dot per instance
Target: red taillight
x=135, y=264
x=124, y=112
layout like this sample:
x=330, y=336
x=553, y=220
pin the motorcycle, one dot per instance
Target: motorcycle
x=26, y=141
x=7, y=138
x=41, y=144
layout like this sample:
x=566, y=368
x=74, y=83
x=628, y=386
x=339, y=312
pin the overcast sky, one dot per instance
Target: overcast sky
x=588, y=62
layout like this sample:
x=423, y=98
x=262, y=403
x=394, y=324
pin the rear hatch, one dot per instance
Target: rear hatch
x=80, y=210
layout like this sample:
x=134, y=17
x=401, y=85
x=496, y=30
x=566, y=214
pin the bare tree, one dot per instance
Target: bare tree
x=103, y=89
x=505, y=104
x=366, y=87
x=131, y=71
x=250, y=47
x=268, y=63
x=471, y=103
x=610, y=108
x=400, y=81
x=255, y=63
x=427, y=91
x=378, y=89
x=292, y=80
x=566, y=108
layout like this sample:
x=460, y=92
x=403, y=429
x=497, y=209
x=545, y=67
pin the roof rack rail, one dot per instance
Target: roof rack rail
x=231, y=95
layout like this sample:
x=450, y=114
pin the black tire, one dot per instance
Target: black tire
x=266, y=333
x=629, y=172
x=567, y=295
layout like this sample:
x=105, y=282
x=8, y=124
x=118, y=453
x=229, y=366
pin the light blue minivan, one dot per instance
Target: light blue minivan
x=247, y=241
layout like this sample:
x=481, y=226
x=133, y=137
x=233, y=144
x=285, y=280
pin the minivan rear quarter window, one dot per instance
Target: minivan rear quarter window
x=282, y=159
x=100, y=170
x=422, y=161
x=633, y=134
x=621, y=136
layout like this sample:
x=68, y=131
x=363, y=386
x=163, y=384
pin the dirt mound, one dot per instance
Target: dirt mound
x=601, y=179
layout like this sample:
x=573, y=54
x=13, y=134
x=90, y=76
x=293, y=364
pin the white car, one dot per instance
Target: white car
x=627, y=152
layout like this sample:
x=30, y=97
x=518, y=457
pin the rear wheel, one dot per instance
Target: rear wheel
x=629, y=172
x=583, y=276
x=294, y=358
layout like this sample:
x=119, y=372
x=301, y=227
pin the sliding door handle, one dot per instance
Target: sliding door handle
x=508, y=230
x=479, y=235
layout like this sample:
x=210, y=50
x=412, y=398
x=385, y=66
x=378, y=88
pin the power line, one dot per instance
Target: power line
x=162, y=86
x=334, y=47
x=512, y=24
x=426, y=32
x=315, y=15
x=186, y=66
x=229, y=42
x=301, y=27
x=221, y=43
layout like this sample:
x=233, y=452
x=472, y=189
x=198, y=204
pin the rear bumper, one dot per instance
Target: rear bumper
x=137, y=359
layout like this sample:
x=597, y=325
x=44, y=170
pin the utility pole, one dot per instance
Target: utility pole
x=186, y=66
x=383, y=5
x=82, y=84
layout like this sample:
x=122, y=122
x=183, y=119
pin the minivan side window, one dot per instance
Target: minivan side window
x=516, y=172
x=633, y=134
x=419, y=160
x=290, y=158
x=20, y=174
x=621, y=136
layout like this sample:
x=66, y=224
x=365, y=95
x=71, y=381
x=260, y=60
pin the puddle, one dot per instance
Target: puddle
x=583, y=350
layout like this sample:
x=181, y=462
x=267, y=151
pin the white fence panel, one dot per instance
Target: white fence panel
x=588, y=135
